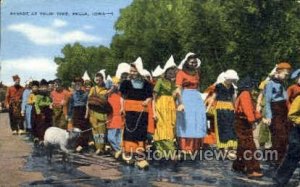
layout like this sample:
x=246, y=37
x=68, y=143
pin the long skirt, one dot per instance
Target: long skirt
x=224, y=121
x=79, y=121
x=15, y=117
x=245, y=160
x=165, y=126
x=42, y=121
x=59, y=119
x=191, y=123
x=98, y=122
x=279, y=129
x=135, y=128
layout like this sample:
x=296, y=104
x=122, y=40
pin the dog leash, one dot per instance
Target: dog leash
x=136, y=124
x=92, y=128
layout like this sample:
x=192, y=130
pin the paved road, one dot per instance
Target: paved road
x=27, y=166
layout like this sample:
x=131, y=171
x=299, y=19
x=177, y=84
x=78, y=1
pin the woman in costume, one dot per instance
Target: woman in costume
x=191, y=116
x=210, y=139
x=224, y=116
x=137, y=95
x=165, y=110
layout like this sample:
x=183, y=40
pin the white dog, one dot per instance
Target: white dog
x=59, y=138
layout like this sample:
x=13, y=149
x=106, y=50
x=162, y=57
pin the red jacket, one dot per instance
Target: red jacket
x=116, y=121
x=244, y=107
x=13, y=94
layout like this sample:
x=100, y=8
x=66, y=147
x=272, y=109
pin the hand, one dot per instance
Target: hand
x=155, y=117
x=63, y=102
x=258, y=108
x=22, y=113
x=254, y=125
x=51, y=106
x=122, y=112
x=175, y=93
x=145, y=103
x=86, y=116
x=180, y=108
x=267, y=121
x=7, y=106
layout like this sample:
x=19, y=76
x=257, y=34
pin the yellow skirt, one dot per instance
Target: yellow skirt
x=166, y=115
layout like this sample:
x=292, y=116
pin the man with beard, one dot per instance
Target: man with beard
x=13, y=103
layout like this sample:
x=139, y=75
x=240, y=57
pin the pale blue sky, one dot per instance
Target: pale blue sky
x=29, y=43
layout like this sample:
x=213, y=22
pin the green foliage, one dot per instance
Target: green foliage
x=77, y=58
x=249, y=36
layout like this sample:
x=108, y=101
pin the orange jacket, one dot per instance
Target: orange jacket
x=13, y=94
x=244, y=107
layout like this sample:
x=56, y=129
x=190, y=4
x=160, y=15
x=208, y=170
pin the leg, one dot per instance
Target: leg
x=12, y=121
x=279, y=141
x=112, y=138
x=256, y=137
x=289, y=164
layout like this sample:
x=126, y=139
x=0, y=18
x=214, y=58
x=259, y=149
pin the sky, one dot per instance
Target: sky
x=33, y=32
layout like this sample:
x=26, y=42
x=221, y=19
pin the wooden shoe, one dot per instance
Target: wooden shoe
x=79, y=149
x=231, y=156
x=143, y=164
x=255, y=175
x=21, y=132
x=98, y=151
x=117, y=154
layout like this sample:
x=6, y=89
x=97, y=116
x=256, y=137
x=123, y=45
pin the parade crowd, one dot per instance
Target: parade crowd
x=164, y=110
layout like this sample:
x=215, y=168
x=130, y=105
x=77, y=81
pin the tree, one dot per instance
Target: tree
x=77, y=59
x=250, y=36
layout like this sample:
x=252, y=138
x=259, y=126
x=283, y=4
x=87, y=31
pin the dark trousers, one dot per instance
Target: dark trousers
x=279, y=129
x=15, y=118
x=80, y=122
x=41, y=122
x=245, y=160
x=290, y=162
